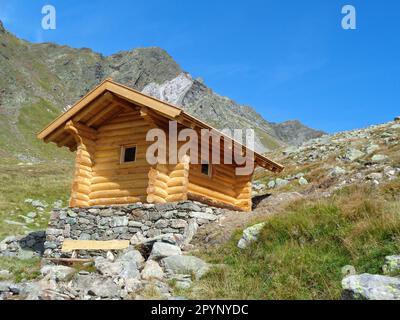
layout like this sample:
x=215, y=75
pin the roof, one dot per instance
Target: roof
x=109, y=98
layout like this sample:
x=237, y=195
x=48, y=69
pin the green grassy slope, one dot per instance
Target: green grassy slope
x=301, y=252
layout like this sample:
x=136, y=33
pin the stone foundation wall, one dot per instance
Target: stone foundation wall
x=175, y=223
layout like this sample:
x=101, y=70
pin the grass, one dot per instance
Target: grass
x=22, y=270
x=47, y=182
x=300, y=253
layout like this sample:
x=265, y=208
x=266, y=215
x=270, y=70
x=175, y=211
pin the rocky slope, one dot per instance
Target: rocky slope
x=39, y=80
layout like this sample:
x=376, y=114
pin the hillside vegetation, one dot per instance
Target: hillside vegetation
x=336, y=204
x=301, y=251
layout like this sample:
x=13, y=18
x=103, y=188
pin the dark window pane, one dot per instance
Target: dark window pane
x=130, y=155
x=205, y=169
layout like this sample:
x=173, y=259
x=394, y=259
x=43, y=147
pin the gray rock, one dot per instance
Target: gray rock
x=133, y=285
x=182, y=281
x=250, y=235
x=371, y=148
x=185, y=265
x=271, y=184
x=132, y=255
x=32, y=215
x=125, y=269
x=5, y=274
x=59, y=273
x=161, y=224
x=392, y=265
x=5, y=286
x=38, y=204
x=353, y=154
x=178, y=224
x=189, y=232
x=152, y=270
x=348, y=271
x=303, y=181
x=371, y=287
x=336, y=171
x=379, y=158
x=281, y=182
x=104, y=288
x=138, y=239
x=161, y=250
x=203, y=215
x=119, y=222
x=375, y=176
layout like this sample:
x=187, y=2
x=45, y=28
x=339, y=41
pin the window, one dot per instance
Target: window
x=206, y=170
x=128, y=154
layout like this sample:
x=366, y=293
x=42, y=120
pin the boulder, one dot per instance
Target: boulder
x=189, y=232
x=131, y=254
x=188, y=265
x=392, y=265
x=58, y=273
x=203, y=216
x=371, y=148
x=336, y=171
x=281, y=182
x=125, y=269
x=152, y=270
x=5, y=274
x=303, y=181
x=103, y=288
x=348, y=271
x=250, y=235
x=353, y=154
x=371, y=287
x=379, y=158
x=162, y=250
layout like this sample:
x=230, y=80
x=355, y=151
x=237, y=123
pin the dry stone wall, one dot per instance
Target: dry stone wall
x=174, y=223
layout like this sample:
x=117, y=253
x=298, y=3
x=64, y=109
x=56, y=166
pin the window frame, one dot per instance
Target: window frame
x=123, y=150
x=210, y=171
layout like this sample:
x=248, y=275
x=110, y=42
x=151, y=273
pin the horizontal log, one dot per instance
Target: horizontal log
x=80, y=188
x=117, y=165
x=142, y=184
x=116, y=201
x=111, y=127
x=213, y=194
x=175, y=182
x=177, y=190
x=118, y=171
x=117, y=193
x=156, y=175
x=157, y=191
x=151, y=198
x=159, y=184
x=177, y=197
x=131, y=130
x=129, y=178
x=179, y=174
x=80, y=204
x=218, y=204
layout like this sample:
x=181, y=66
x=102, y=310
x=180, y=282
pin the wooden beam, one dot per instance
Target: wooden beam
x=72, y=245
x=101, y=114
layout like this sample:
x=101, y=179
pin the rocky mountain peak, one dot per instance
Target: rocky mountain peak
x=2, y=29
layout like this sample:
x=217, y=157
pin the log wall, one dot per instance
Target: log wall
x=114, y=182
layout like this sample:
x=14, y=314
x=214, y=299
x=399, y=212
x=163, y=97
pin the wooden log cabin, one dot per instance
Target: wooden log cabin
x=107, y=128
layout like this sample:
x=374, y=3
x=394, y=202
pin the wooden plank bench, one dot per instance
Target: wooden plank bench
x=92, y=245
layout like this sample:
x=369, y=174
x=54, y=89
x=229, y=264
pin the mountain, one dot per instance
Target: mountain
x=38, y=80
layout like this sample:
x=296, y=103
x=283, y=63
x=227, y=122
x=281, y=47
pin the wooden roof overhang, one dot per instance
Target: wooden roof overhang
x=109, y=99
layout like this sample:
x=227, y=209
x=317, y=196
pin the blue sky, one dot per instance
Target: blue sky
x=288, y=59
